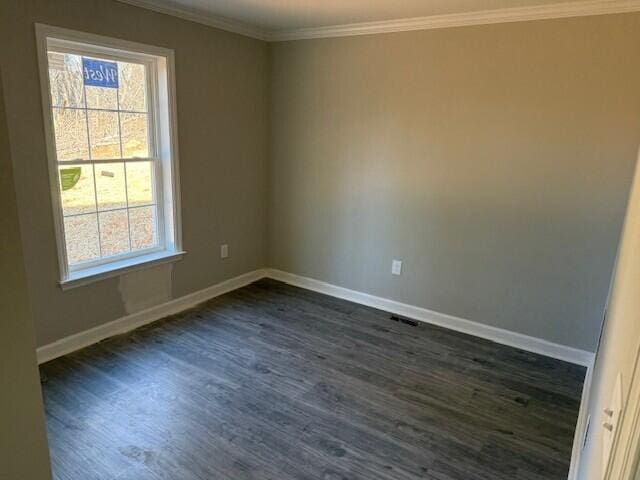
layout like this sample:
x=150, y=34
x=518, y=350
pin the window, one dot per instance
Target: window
x=113, y=167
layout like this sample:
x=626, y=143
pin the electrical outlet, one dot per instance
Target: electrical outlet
x=224, y=251
x=396, y=267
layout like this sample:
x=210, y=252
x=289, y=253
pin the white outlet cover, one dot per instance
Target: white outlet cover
x=396, y=267
x=224, y=251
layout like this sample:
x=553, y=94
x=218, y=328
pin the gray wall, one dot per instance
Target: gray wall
x=23, y=443
x=222, y=113
x=495, y=161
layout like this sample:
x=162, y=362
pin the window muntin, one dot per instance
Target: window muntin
x=111, y=153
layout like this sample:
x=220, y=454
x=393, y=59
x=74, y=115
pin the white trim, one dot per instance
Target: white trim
x=498, y=335
x=108, y=270
x=483, y=17
x=138, y=319
x=41, y=46
x=625, y=454
x=162, y=109
x=75, y=36
x=581, y=423
x=210, y=20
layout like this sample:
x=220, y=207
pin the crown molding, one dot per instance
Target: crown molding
x=485, y=17
x=214, y=21
x=580, y=8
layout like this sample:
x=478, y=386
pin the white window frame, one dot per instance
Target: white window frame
x=163, y=148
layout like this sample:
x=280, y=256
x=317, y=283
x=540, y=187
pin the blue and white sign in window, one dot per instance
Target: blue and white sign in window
x=100, y=73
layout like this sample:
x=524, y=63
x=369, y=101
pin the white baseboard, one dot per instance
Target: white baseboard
x=135, y=320
x=498, y=335
x=138, y=319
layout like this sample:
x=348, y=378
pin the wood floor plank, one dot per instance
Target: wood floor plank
x=273, y=382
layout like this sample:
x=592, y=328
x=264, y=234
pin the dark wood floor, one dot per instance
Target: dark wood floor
x=272, y=382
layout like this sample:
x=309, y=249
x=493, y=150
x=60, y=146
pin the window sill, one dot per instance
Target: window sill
x=90, y=275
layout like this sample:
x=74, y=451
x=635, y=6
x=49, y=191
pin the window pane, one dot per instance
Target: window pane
x=133, y=87
x=135, y=136
x=140, y=183
x=65, y=74
x=81, y=235
x=111, y=186
x=76, y=189
x=102, y=97
x=143, y=227
x=104, y=135
x=114, y=232
x=71, y=134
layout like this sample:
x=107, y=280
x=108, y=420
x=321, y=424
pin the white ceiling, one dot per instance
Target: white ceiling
x=274, y=18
